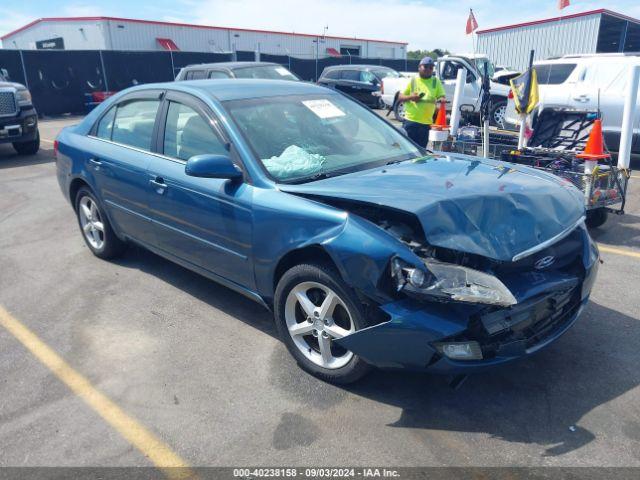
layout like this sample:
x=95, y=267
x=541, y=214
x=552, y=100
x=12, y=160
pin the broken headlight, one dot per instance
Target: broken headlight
x=449, y=281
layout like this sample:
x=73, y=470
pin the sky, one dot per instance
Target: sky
x=423, y=24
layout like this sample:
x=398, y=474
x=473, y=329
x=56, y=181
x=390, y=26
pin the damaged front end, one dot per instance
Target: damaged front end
x=453, y=312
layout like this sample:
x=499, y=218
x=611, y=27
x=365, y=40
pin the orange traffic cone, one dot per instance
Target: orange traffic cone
x=441, y=119
x=594, y=150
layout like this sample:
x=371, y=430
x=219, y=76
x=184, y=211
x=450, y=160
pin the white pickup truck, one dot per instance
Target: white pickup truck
x=587, y=82
x=447, y=70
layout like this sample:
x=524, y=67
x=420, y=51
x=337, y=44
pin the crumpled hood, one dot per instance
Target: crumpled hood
x=484, y=207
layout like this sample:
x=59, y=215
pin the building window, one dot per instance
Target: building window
x=632, y=39
x=611, y=34
x=350, y=51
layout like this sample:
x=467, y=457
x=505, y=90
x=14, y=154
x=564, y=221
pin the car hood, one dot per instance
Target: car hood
x=484, y=207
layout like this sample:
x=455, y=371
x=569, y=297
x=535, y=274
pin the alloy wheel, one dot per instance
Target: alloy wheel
x=315, y=317
x=91, y=222
x=400, y=112
x=498, y=115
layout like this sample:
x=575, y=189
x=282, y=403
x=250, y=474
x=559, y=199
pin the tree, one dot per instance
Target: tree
x=420, y=54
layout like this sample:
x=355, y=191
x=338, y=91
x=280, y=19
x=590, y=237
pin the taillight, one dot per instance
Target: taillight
x=510, y=96
x=55, y=148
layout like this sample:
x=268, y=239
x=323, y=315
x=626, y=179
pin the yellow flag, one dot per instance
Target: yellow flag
x=525, y=91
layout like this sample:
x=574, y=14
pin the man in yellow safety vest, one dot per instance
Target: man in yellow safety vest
x=420, y=98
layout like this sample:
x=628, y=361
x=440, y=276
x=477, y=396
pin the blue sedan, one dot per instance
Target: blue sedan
x=369, y=250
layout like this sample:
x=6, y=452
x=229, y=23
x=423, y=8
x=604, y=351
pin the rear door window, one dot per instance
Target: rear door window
x=187, y=134
x=332, y=74
x=554, y=73
x=353, y=75
x=134, y=122
x=105, y=125
x=195, y=75
x=218, y=74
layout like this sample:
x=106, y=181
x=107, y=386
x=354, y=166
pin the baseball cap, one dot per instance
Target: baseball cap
x=426, y=61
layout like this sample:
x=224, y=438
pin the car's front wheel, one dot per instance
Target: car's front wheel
x=95, y=227
x=398, y=111
x=313, y=308
x=497, y=113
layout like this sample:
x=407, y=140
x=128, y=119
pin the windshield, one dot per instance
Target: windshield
x=485, y=65
x=305, y=137
x=270, y=72
x=553, y=73
x=384, y=73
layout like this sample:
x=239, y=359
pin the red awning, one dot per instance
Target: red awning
x=333, y=53
x=168, y=44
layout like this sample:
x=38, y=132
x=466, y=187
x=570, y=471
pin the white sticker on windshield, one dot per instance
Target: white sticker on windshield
x=323, y=108
x=282, y=71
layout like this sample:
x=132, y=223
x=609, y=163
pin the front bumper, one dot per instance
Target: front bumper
x=20, y=128
x=549, y=304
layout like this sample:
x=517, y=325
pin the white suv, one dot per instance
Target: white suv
x=577, y=81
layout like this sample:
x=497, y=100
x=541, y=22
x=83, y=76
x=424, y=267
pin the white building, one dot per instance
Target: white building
x=108, y=33
x=596, y=31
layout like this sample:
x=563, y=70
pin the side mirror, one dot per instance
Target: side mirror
x=4, y=72
x=212, y=166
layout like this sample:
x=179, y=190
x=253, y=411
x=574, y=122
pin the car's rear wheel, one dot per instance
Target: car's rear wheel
x=95, y=227
x=313, y=308
x=28, y=148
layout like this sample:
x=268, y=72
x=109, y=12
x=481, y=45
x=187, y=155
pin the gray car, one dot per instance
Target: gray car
x=226, y=70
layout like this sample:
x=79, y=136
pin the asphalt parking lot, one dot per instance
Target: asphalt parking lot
x=163, y=365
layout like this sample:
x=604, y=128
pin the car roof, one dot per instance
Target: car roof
x=230, y=65
x=238, y=89
x=589, y=59
x=356, y=67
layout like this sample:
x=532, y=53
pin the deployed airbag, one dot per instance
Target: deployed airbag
x=294, y=162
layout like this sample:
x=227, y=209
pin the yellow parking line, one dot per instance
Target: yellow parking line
x=46, y=140
x=618, y=251
x=154, y=449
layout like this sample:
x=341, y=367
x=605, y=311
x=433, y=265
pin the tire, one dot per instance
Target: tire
x=380, y=105
x=95, y=227
x=596, y=217
x=28, y=148
x=318, y=282
x=398, y=111
x=496, y=114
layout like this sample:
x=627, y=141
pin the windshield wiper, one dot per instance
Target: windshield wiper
x=321, y=176
x=317, y=176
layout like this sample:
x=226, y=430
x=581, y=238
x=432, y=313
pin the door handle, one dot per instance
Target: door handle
x=95, y=163
x=158, y=184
